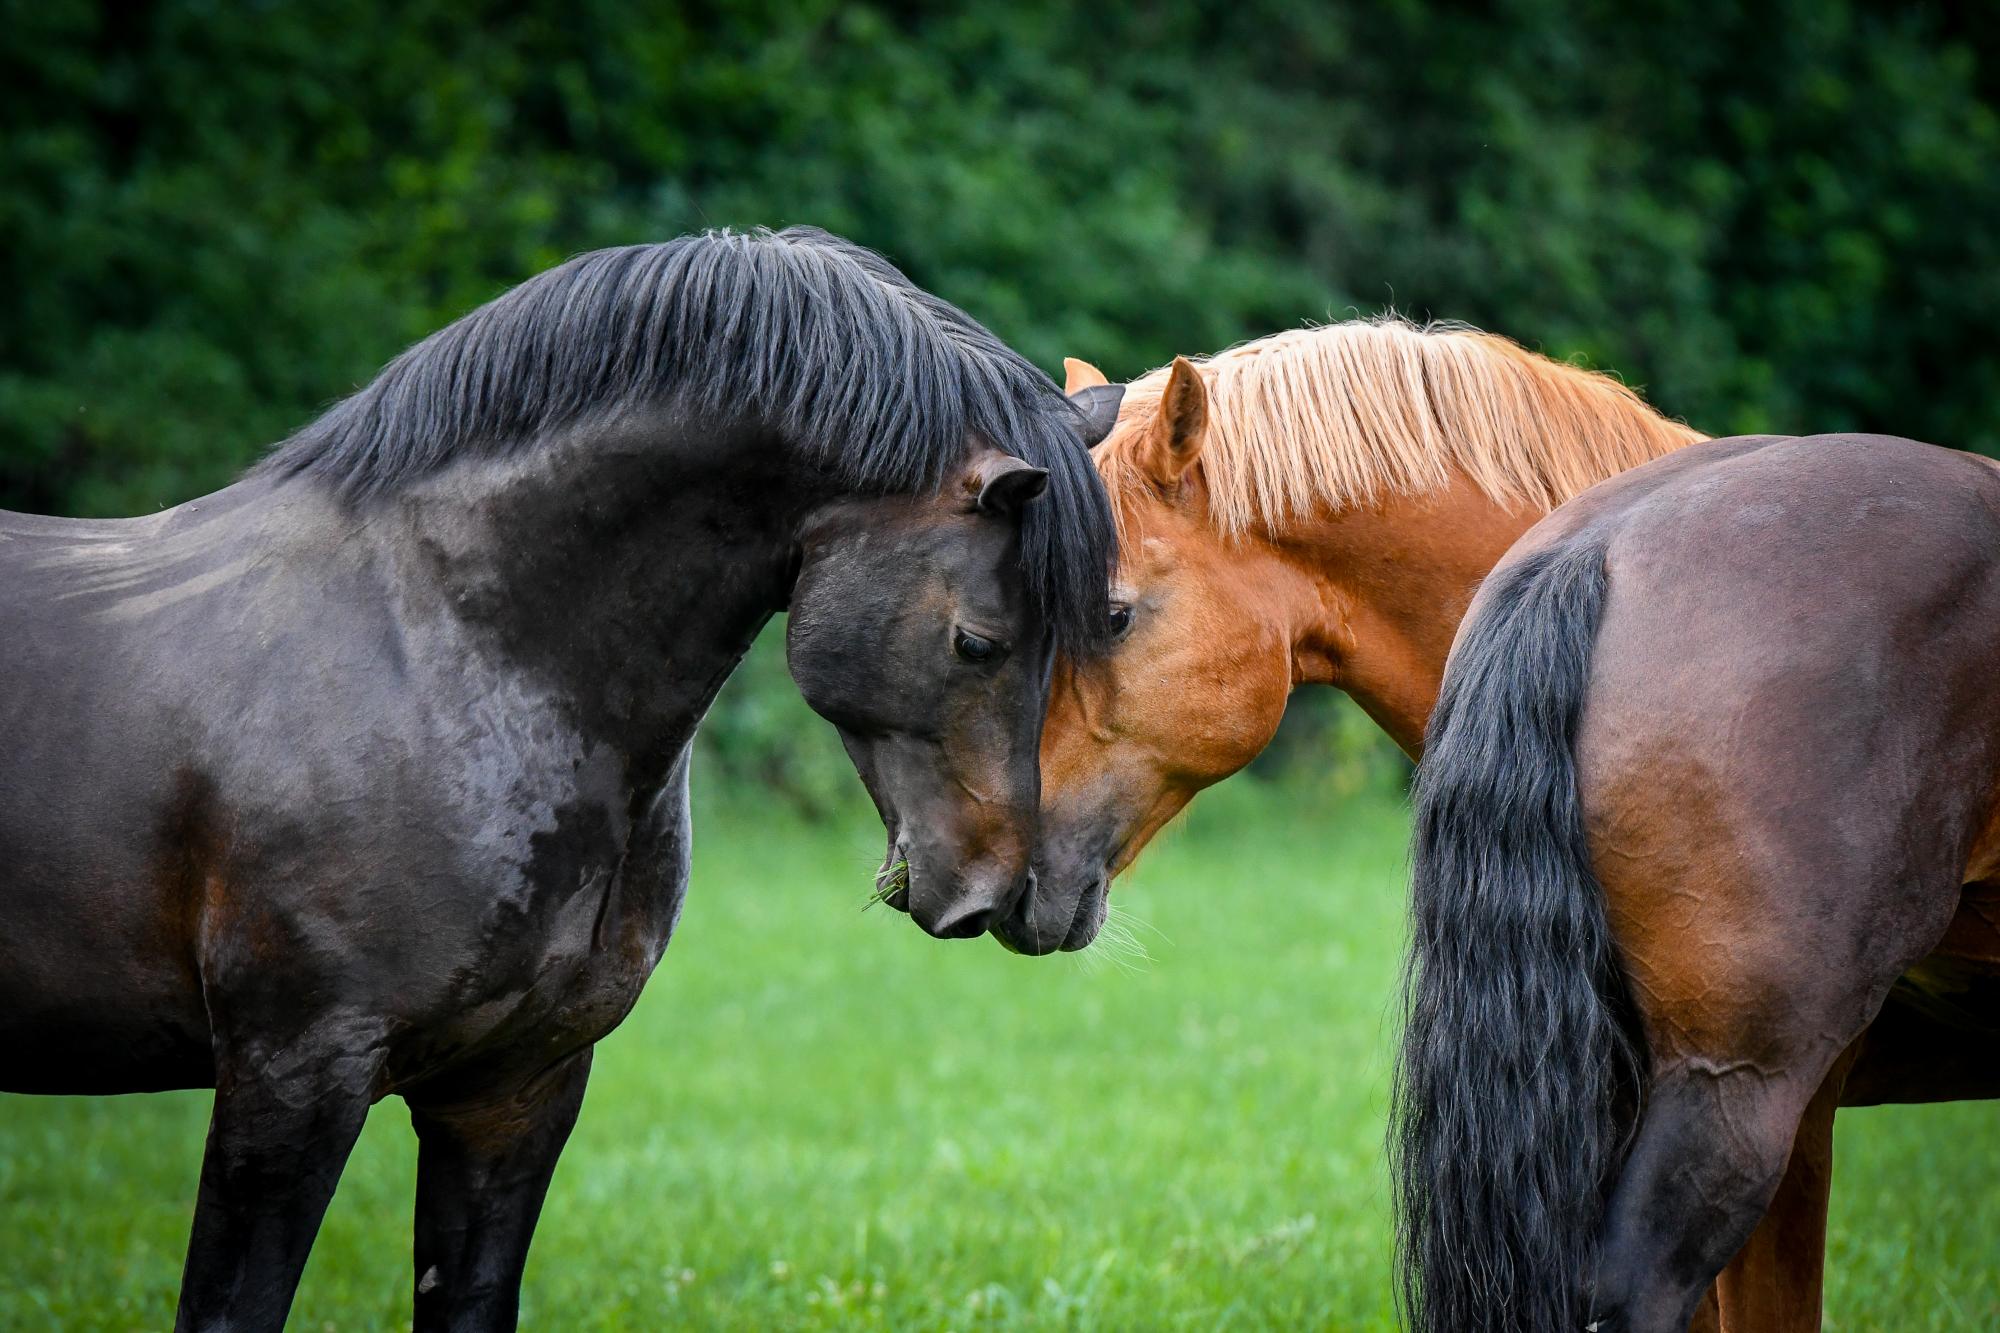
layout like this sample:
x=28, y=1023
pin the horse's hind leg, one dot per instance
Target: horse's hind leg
x=286, y=1115
x=1775, y=1281
x=1743, y=1039
x=1773, y=1285
x=1705, y=1164
x=483, y=1168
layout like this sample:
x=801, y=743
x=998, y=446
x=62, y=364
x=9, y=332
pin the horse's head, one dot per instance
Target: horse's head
x=1193, y=686
x=913, y=631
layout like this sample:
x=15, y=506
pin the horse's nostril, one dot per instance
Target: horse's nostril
x=1024, y=898
x=968, y=926
x=975, y=909
x=962, y=922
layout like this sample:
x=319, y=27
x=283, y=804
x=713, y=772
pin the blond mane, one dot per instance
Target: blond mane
x=1344, y=414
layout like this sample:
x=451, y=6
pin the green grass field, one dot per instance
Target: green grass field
x=818, y=1118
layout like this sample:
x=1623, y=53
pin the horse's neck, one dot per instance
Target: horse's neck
x=632, y=579
x=1396, y=578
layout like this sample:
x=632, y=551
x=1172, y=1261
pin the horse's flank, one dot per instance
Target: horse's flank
x=1350, y=413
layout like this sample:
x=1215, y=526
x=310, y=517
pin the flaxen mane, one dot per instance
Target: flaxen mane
x=1344, y=414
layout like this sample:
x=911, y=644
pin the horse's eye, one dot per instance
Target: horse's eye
x=973, y=648
x=1121, y=621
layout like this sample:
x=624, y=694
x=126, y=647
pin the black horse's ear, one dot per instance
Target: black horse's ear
x=1099, y=405
x=1006, y=484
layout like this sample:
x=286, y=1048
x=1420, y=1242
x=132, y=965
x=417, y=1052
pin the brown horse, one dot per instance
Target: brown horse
x=1318, y=507
x=1713, y=782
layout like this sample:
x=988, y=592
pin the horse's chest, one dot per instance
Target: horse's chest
x=584, y=957
x=561, y=957
x=566, y=887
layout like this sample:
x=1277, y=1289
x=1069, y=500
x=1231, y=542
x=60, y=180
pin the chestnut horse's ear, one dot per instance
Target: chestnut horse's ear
x=1099, y=405
x=1081, y=375
x=1003, y=485
x=1174, y=439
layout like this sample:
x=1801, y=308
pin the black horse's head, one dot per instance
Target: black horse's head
x=913, y=632
x=742, y=410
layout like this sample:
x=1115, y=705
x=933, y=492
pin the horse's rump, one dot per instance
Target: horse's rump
x=1786, y=755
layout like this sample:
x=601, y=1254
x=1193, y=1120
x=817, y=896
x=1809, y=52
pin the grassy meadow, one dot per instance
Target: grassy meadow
x=818, y=1118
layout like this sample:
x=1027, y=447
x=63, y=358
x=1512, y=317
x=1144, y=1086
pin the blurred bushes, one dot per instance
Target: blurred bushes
x=218, y=216
x=760, y=735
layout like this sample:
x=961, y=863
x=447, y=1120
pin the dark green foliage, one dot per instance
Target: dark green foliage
x=217, y=217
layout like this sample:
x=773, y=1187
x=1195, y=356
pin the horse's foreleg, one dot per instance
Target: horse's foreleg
x=483, y=1168
x=286, y=1116
x=1774, y=1282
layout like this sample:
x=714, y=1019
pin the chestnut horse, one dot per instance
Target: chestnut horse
x=1714, y=773
x=368, y=774
x=1317, y=507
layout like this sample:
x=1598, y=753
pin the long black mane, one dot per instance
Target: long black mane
x=824, y=341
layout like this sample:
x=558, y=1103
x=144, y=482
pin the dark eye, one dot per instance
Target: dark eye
x=973, y=648
x=1120, y=620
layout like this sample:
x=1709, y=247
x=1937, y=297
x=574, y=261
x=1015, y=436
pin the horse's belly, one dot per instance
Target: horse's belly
x=78, y=1049
x=1938, y=1035
x=1937, y=1039
x=96, y=995
x=1972, y=940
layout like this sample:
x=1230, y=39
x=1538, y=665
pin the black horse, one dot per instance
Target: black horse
x=368, y=775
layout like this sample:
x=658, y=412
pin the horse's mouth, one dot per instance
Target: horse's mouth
x=1021, y=934
x=892, y=881
x=1090, y=915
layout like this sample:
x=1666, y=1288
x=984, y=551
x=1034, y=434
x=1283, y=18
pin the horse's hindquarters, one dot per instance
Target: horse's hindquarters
x=1788, y=752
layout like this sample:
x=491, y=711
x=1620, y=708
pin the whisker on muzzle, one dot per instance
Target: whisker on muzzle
x=1118, y=944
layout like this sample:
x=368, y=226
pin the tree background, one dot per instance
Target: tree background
x=217, y=217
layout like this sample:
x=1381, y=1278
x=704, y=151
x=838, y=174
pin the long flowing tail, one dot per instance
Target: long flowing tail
x=1520, y=1057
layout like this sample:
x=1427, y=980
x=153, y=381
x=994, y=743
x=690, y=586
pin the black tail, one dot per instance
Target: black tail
x=1519, y=1057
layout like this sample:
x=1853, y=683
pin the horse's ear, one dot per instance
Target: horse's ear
x=1174, y=439
x=1081, y=375
x=1002, y=485
x=1099, y=405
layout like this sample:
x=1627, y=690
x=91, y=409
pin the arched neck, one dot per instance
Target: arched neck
x=629, y=570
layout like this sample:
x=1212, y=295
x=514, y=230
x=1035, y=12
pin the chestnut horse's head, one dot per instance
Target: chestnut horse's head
x=1194, y=683
x=1312, y=507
